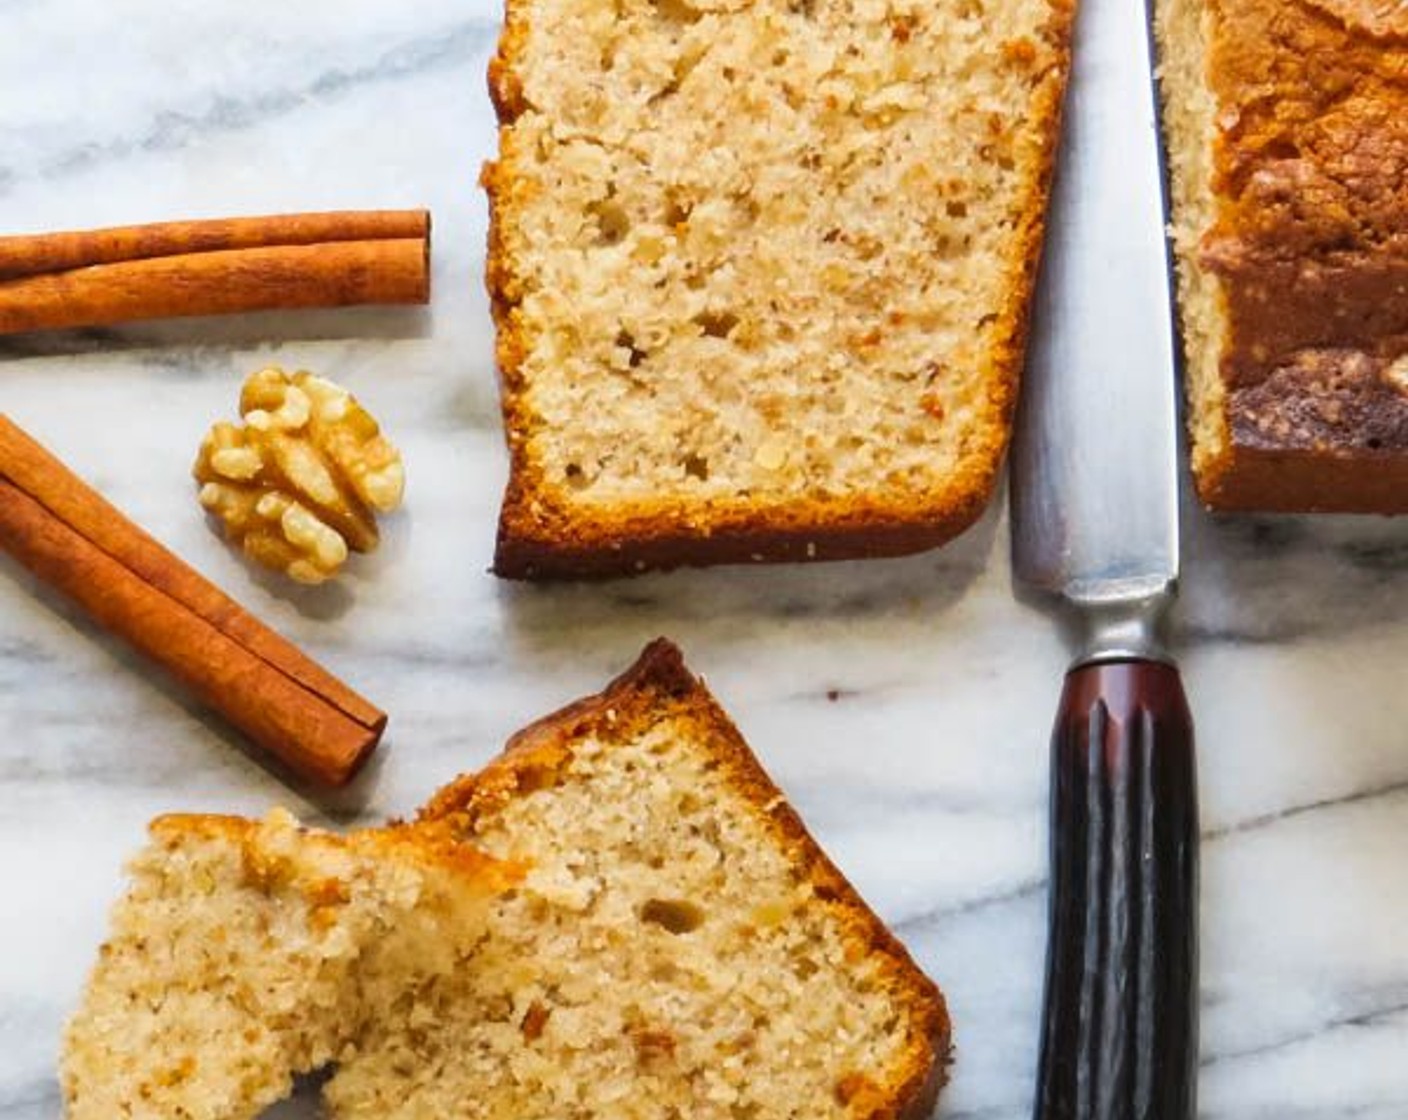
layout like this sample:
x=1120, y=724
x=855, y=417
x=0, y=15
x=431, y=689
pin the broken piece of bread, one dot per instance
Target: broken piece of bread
x=679, y=947
x=248, y=952
x=760, y=271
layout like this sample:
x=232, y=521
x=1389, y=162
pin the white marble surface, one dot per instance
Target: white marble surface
x=904, y=705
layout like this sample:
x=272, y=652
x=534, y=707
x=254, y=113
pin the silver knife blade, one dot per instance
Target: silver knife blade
x=1095, y=471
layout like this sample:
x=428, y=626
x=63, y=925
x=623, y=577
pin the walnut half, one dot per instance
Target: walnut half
x=300, y=483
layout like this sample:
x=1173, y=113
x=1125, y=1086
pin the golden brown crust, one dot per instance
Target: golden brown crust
x=1310, y=250
x=531, y=548
x=659, y=684
x=539, y=538
x=1251, y=481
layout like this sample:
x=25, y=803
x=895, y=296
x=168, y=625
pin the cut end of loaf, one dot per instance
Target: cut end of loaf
x=1287, y=153
x=1184, y=28
x=680, y=946
x=744, y=312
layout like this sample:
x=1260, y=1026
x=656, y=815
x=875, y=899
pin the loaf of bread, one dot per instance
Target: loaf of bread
x=760, y=271
x=246, y=953
x=1288, y=139
x=679, y=946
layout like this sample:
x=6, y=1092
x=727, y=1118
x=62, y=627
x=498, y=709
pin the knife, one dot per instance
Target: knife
x=1095, y=531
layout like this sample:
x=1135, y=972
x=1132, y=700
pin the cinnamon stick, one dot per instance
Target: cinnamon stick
x=33, y=254
x=73, y=540
x=220, y=266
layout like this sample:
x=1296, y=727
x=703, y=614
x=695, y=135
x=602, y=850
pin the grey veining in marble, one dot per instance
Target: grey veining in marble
x=903, y=705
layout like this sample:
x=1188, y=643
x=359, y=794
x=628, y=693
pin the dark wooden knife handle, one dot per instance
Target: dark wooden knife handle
x=1119, y=1031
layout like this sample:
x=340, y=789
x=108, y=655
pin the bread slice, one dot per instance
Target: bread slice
x=1288, y=143
x=760, y=271
x=246, y=953
x=679, y=948
x=621, y=917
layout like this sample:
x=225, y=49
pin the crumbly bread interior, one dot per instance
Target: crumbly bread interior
x=673, y=953
x=1184, y=29
x=757, y=253
x=246, y=953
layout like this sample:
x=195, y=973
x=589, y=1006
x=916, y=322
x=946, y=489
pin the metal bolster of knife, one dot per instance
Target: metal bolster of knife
x=1121, y=628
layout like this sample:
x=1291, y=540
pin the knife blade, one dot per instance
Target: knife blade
x=1095, y=482
x=1094, y=503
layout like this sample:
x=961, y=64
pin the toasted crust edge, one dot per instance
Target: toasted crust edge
x=635, y=697
x=528, y=550
x=537, y=540
x=1255, y=481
